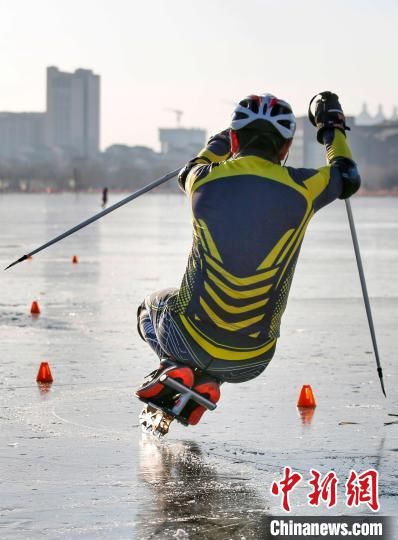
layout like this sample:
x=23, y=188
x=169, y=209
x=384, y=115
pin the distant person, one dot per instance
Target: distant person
x=104, y=197
x=250, y=214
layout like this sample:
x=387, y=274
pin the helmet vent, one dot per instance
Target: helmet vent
x=280, y=109
x=240, y=115
x=285, y=123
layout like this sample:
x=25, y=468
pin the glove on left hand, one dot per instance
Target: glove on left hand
x=328, y=114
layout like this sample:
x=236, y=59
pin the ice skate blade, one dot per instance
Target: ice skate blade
x=166, y=411
x=154, y=421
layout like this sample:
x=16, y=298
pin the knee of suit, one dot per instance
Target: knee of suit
x=141, y=312
x=242, y=375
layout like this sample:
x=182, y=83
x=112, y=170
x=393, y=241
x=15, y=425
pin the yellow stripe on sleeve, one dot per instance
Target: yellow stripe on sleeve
x=339, y=147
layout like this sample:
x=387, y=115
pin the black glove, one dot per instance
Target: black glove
x=182, y=175
x=328, y=114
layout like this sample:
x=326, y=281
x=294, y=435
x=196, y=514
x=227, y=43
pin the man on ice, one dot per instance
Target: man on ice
x=249, y=215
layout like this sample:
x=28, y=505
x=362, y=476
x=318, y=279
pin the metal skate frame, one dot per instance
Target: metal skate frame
x=186, y=395
x=156, y=420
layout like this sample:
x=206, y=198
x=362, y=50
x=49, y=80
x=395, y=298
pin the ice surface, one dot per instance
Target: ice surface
x=74, y=463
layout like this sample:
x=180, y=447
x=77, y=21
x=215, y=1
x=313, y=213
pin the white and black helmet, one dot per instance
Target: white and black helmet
x=266, y=108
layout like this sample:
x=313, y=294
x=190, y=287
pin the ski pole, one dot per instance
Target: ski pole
x=76, y=228
x=364, y=291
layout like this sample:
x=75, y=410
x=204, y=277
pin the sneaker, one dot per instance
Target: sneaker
x=210, y=389
x=153, y=390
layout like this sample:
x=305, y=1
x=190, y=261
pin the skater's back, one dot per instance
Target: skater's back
x=250, y=215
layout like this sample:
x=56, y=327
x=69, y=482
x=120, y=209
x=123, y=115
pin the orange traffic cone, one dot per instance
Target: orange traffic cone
x=44, y=373
x=34, y=308
x=74, y=259
x=306, y=398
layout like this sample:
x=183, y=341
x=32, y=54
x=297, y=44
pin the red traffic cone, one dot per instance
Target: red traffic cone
x=75, y=259
x=306, y=398
x=44, y=373
x=35, y=308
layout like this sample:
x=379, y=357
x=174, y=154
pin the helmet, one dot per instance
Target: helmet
x=266, y=108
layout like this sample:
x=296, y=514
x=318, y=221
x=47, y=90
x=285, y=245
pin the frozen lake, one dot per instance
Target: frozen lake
x=74, y=463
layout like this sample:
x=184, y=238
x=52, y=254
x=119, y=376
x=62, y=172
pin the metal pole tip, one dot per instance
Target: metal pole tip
x=16, y=262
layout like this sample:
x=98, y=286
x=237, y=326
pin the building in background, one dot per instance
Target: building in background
x=374, y=146
x=296, y=152
x=364, y=118
x=375, y=149
x=181, y=143
x=70, y=126
x=21, y=134
x=73, y=111
x=305, y=150
x=59, y=148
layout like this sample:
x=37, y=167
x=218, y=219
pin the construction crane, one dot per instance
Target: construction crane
x=178, y=114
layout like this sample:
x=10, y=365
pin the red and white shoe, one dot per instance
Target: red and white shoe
x=207, y=387
x=154, y=390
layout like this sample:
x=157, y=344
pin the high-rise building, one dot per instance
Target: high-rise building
x=73, y=111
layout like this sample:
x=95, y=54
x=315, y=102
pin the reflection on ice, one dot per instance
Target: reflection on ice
x=44, y=388
x=306, y=414
x=191, y=497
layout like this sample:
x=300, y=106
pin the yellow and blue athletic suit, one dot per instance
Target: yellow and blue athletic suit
x=249, y=219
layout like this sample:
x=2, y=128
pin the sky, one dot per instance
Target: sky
x=199, y=56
